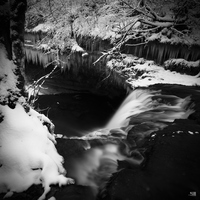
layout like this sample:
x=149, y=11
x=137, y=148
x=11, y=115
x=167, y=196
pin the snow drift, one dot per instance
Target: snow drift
x=27, y=152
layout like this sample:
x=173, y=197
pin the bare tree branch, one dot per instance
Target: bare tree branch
x=136, y=44
x=51, y=11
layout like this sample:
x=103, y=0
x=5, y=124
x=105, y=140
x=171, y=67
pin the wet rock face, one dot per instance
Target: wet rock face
x=139, y=132
x=170, y=170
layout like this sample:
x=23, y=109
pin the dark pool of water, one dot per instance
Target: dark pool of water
x=78, y=113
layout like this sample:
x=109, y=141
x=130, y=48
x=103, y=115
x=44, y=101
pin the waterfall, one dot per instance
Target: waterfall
x=138, y=101
x=143, y=112
x=150, y=105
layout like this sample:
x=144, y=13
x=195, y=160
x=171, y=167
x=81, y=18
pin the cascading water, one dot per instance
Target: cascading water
x=137, y=102
x=152, y=105
x=143, y=112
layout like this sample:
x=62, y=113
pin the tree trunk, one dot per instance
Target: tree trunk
x=5, y=27
x=12, y=19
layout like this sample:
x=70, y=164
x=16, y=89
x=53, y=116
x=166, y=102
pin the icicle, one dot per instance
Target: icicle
x=37, y=57
x=160, y=52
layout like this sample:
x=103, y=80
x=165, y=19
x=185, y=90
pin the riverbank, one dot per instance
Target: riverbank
x=143, y=43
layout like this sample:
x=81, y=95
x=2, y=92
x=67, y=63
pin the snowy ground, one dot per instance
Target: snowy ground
x=155, y=74
x=143, y=73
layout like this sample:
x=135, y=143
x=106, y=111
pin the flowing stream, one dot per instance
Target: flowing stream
x=152, y=105
x=143, y=112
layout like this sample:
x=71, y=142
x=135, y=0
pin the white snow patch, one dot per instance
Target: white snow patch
x=44, y=46
x=43, y=27
x=174, y=39
x=153, y=135
x=59, y=135
x=142, y=73
x=77, y=48
x=179, y=132
x=27, y=152
x=52, y=198
x=155, y=74
x=181, y=61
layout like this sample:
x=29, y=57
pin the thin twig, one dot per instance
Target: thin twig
x=136, y=44
x=123, y=38
x=104, y=54
x=127, y=4
x=136, y=38
x=106, y=77
x=36, y=87
x=51, y=11
x=174, y=29
x=147, y=30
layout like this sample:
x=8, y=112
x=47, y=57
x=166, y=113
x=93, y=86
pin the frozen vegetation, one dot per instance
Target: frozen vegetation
x=166, y=21
x=141, y=72
x=165, y=31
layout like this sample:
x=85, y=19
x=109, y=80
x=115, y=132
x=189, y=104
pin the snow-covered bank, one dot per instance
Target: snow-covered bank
x=147, y=31
x=28, y=155
x=183, y=66
x=155, y=74
x=27, y=146
x=142, y=73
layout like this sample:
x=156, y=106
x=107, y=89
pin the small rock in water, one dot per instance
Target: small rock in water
x=190, y=132
x=118, y=132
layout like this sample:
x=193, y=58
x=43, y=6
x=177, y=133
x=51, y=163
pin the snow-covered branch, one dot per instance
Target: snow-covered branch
x=34, y=88
x=144, y=22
